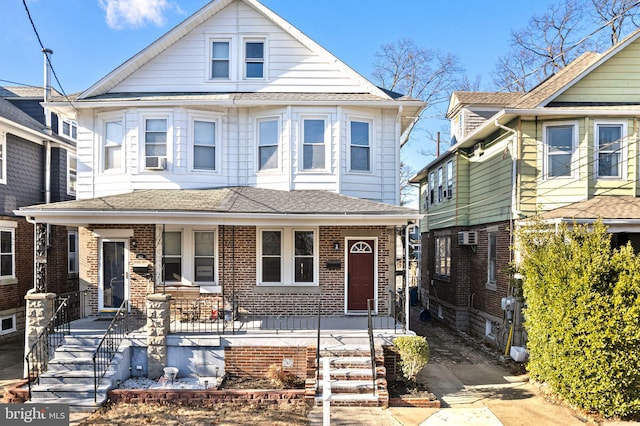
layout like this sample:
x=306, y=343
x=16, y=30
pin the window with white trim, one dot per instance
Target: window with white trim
x=70, y=129
x=113, y=142
x=287, y=256
x=220, y=60
x=609, y=149
x=450, y=179
x=314, y=144
x=254, y=59
x=204, y=145
x=155, y=139
x=443, y=256
x=72, y=252
x=440, y=182
x=8, y=324
x=492, y=255
x=72, y=173
x=268, y=137
x=360, y=146
x=560, y=148
x=432, y=185
x=7, y=253
x=189, y=256
x=172, y=257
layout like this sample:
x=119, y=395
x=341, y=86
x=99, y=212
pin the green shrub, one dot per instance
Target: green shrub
x=414, y=354
x=583, y=316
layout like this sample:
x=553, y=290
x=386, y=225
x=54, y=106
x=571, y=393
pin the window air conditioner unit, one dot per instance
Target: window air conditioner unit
x=155, y=163
x=468, y=238
x=478, y=149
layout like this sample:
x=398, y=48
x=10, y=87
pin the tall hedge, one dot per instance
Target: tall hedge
x=582, y=315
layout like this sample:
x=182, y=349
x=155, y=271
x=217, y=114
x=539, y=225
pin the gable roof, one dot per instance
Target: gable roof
x=230, y=205
x=460, y=99
x=164, y=42
x=25, y=92
x=13, y=116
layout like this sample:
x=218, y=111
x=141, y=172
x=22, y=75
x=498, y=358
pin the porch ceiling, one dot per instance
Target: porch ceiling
x=229, y=205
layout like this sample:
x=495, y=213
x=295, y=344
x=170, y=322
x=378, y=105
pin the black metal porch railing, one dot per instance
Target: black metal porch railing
x=50, y=338
x=372, y=347
x=197, y=315
x=75, y=304
x=318, y=350
x=109, y=344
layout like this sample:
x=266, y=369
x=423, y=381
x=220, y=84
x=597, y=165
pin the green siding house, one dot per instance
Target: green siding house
x=566, y=150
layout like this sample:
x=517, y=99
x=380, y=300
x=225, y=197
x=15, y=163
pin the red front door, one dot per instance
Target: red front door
x=360, y=274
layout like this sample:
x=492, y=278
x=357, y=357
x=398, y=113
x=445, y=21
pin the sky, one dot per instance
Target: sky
x=90, y=38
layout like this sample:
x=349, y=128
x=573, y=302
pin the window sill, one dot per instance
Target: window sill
x=8, y=280
x=286, y=289
x=491, y=285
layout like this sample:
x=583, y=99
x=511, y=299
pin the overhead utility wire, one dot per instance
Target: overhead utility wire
x=53, y=71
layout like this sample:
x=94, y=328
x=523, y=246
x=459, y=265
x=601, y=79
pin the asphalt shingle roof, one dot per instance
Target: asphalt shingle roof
x=230, y=200
x=605, y=207
x=487, y=98
x=15, y=114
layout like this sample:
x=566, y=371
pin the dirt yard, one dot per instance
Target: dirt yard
x=216, y=414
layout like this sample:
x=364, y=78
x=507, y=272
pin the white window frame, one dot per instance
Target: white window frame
x=246, y=61
x=278, y=144
x=450, y=179
x=326, y=142
x=10, y=228
x=369, y=146
x=104, y=145
x=432, y=188
x=217, y=121
x=492, y=259
x=622, y=159
x=3, y=158
x=73, y=128
x=72, y=257
x=440, y=184
x=232, y=66
x=9, y=330
x=181, y=256
x=288, y=257
x=442, y=265
x=72, y=182
x=155, y=115
x=187, y=257
x=573, y=168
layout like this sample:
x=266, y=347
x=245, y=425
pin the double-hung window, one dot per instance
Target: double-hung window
x=492, y=252
x=609, y=149
x=113, y=138
x=287, y=256
x=70, y=129
x=254, y=59
x=560, y=147
x=432, y=185
x=204, y=145
x=72, y=252
x=155, y=143
x=172, y=257
x=72, y=173
x=204, y=256
x=440, y=189
x=268, y=136
x=360, y=146
x=313, y=144
x=443, y=256
x=220, y=59
x=3, y=158
x=7, y=253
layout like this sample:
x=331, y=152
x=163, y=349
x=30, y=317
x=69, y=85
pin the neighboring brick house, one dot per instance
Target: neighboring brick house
x=237, y=157
x=568, y=149
x=34, y=167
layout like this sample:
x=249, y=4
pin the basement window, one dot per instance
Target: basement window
x=7, y=324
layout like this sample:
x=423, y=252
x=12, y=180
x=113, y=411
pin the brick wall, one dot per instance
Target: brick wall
x=254, y=361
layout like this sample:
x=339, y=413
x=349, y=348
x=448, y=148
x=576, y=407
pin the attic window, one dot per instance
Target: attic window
x=220, y=60
x=254, y=59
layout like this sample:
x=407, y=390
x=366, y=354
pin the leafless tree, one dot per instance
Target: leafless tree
x=418, y=72
x=407, y=191
x=619, y=16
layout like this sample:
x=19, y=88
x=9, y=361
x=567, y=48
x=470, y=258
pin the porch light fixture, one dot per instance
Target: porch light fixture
x=336, y=246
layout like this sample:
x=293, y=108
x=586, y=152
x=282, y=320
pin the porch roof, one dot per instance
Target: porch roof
x=228, y=205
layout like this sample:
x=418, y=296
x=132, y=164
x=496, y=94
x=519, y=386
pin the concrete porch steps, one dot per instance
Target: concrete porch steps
x=350, y=377
x=69, y=378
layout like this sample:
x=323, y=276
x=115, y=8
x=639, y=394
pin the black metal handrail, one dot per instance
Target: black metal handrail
x=109, y=344
x=75, y=304
x=318, y=351
x=371, y=344
x=50, y=338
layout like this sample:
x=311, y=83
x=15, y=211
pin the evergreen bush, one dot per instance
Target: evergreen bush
x=582, y=315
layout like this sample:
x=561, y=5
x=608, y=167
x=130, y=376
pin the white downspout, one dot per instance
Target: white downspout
x=514, y=156
x=406, y=277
